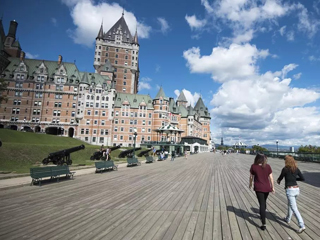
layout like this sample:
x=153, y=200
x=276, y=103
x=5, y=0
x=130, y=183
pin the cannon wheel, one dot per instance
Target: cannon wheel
x=69, y=162
x=115, y=168
x=45, y=161
x=92, y=158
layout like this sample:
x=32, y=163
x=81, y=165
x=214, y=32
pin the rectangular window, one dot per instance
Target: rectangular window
x=103, y=113
x=88, y=122
x=102, y=122
x=82, y=131
x=73, y=114
x=116, y=129
x=87, y=131
x=121, y=129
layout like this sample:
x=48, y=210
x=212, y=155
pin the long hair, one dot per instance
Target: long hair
x=260, y=159
x=290, y=163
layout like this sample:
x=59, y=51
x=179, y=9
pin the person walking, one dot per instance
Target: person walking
x=292, y=174
x=261, y=174
x=173, y=154
x=185, y=154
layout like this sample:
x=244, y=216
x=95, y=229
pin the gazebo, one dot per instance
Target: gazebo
x=168, y=133
x=240, y=145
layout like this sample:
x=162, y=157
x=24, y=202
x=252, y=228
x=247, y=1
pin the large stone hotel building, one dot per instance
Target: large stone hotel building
x=101, y=107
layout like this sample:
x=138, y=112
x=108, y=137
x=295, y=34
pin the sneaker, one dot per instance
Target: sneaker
x=263, y=227
x=286, y=220
x=301, y=230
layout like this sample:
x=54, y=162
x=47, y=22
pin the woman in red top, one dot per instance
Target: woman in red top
x=261, y=172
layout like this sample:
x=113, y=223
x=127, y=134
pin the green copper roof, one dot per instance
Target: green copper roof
x=161, y=94
x=182, y=97
x=173, y=106
x=133, y=99
x=201, y=109
x=52, y=67
x=183, y=111
x=92, y=78
x=191, y=111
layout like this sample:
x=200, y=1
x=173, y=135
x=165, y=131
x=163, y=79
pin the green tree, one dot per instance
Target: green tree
x=259, y=148
x=309, y=149
x=3, y=87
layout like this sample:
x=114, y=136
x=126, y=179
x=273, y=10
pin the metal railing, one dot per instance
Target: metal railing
x=310, y=157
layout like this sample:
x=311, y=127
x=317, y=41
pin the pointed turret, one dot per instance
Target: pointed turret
x=100, y=34
x=85, y=78
x=190, y=111
x=201, y=109
x=120, y=28
x=135, y=38
x=161, y=94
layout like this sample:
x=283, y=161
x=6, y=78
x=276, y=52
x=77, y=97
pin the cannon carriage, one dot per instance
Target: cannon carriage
x=99, y=154
x=62, y=157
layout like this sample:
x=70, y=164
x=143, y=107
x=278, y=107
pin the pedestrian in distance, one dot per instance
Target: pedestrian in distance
x=292, y=174
x=261, y=174
x=173, y=154
x=185, y=154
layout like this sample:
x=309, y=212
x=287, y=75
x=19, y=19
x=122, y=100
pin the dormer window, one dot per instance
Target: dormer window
x=61, y=71
x=21, y=68
x=41, y=70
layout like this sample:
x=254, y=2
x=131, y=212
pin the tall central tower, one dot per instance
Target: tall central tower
x=121, y=49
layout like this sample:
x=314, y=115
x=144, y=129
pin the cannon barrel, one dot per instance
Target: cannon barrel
x=62, y=157
x=145, y=152
x=67, y=151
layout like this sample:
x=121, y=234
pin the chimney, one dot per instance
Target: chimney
x=59, y=59
x=22, y=55
x=13, y=29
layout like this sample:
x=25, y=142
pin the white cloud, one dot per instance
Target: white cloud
x=191, y=98
x=243, y=37
x=313, y=58
x=144, y=85
x=158, y=67
x=290, y=36
x=225, y=64
x=54, y=21
x=146, y=79
x=307, y=23
x=164, y=26
x=262, y=106
x=195, y=23
x=87, y=16
x=282, y=30
x=297, y=76
x=245, y=17
x=288, y=68
x=31, y=56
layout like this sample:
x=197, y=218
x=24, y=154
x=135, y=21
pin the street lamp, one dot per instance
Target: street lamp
x=134, y=141
x=277, y=147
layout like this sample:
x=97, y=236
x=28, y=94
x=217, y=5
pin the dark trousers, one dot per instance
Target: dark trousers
x=262, y=198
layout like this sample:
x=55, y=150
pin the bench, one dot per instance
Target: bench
x=105, y=165
x=149, y=159
x=133, y=161
x=37, y=174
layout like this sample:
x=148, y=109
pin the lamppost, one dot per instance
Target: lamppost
x=277, y=147
x=134, y=141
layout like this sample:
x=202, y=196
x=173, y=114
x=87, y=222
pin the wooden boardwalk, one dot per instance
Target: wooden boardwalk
x=203, y=197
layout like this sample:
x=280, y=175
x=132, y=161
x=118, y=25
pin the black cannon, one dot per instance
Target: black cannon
x=99, y=154
x=61, y=157
x=128, y=153
x=144, y=153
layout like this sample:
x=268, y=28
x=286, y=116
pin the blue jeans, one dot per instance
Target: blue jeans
x=292, y=194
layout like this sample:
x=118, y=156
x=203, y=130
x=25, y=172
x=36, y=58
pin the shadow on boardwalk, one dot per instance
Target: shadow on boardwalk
x=312, y=178
x=249, y=216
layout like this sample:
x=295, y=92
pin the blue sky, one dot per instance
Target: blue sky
x=254, y=62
